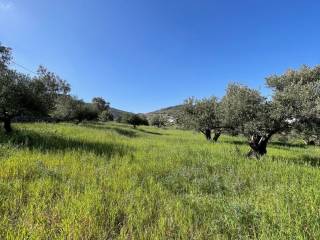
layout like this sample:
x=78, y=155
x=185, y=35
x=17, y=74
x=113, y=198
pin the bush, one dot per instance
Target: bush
x=105, y=116
x=137, y=120
x=158, y=120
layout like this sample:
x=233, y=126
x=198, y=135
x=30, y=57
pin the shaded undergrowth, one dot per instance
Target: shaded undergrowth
x=123, y=130
x=47, y=141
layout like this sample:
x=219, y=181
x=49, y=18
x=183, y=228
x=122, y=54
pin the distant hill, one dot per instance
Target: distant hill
x=172, y=112
x=117, y=112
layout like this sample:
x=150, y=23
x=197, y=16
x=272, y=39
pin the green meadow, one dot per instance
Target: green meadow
x=111, y=181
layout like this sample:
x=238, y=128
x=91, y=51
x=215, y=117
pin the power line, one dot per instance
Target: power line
x=25, y=68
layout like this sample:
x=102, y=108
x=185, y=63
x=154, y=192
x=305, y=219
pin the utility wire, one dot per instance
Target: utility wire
x=25, y=68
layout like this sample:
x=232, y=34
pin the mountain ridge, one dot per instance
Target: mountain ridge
x=172, y=111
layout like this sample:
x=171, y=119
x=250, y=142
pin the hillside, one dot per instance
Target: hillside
x=172, y=111
x=117, y=112
x=110, y=181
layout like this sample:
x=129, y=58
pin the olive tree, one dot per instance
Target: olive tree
x=105, y=116
x=294, y=105
x=137, y=120
x=297, y=97
x=158, y=120
x=21, y=94
x=202, y=115
x=103, y=108
x=101, y=104
x=69, y=108
x=48, y=86
x=5, y=57
x=247, y=112
x=15, y=97
x=239, y=106
x=309, y=132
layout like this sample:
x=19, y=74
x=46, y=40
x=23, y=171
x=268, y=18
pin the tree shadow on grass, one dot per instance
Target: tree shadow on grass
x=304, y=160
x=51, y=142
x=236, y=142
x=124, y=131
x=281, y=145
x=120, y=131
x=307, y=160
x=275, y=144
x=148, y=132
x=97, y=126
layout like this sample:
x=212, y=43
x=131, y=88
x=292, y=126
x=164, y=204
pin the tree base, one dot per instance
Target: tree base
x=254, y=154
x=7, y=125
x=208, y=134
x=216, y=136
x=258, y=146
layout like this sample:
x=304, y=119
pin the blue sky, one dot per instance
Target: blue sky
x=142, y=55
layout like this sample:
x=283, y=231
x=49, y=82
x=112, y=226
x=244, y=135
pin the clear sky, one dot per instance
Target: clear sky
x=142, y=55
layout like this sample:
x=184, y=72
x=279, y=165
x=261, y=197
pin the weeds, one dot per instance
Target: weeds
x=110, y=181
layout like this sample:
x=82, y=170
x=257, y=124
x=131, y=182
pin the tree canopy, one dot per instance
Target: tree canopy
x=21, y=94
x=202, y=115
x=44, y=94
x=158, y=120
x=137, y=120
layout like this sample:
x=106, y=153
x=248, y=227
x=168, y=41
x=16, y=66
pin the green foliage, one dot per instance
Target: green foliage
x=88, y=112
x=16, y=94
x=22, y=95
x=109, y=181
x=124, y=118
x=158, y=120
x=103, y=107
x=241, y=107
x=137, y=120
x=105, y=116
x=70, y=108
x=101, y=104
x=119, y=119
x=200, y=114
x=297, y=97
x=48, y=86
x=5, y=57
x=66, y=108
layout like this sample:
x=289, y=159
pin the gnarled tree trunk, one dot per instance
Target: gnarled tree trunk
x=259, y=144
x=207, y=133
x=309, y=142
x=216, y=135
x=7, y=124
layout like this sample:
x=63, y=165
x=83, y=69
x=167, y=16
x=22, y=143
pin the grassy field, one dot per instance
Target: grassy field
x=110, y=181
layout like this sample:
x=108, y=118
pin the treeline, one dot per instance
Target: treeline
x=294, y=107
x=47, y=96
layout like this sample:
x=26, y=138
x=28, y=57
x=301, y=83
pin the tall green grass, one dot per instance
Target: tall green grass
x=110, y=181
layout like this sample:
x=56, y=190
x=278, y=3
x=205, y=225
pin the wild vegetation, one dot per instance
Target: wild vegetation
x=85, y=177
x=294, y=106
x=111, y=181
x=47, y=96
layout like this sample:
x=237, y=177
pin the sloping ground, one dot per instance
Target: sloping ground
x=173, y=111
x=110, y=181
x=118, y=113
